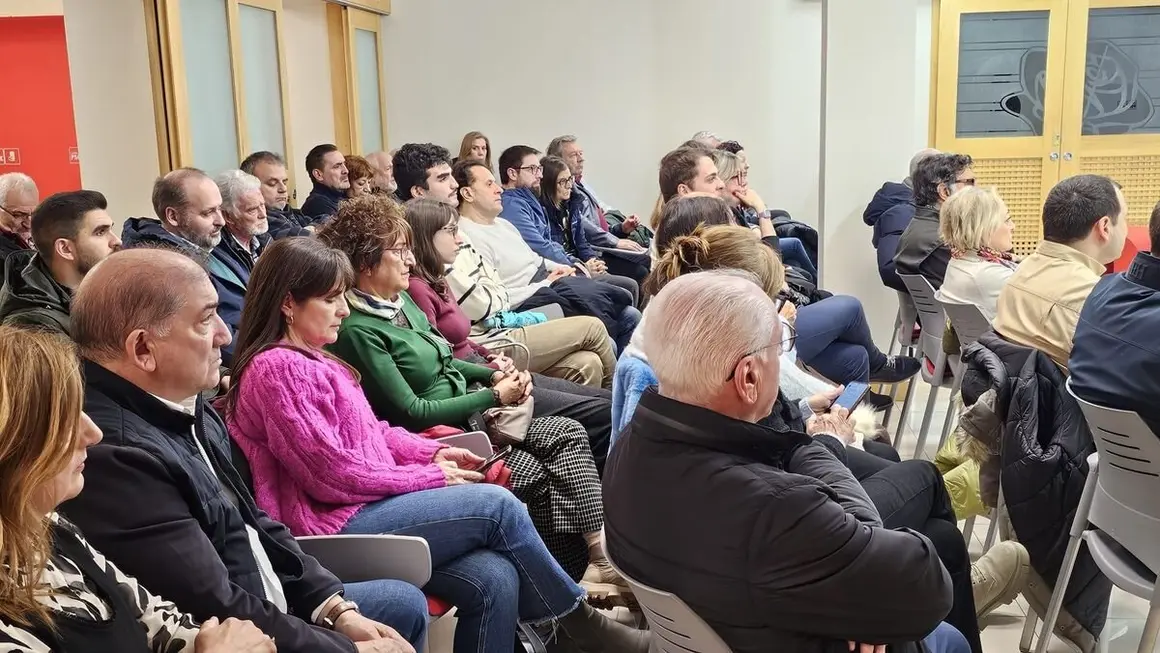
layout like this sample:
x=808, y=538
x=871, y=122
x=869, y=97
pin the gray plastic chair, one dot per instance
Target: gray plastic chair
x=934, y=322
x=903, y=336
x=1119, y=499
x=675, y=627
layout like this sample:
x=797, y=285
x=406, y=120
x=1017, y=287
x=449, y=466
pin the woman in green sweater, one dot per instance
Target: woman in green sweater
x=412, y=379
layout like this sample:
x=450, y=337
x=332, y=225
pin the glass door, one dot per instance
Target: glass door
x=998, y=97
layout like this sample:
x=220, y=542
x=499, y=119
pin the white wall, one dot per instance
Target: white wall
x=113, y=101
x=14, y=8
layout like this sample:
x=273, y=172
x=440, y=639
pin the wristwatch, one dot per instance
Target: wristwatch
x=330, y=619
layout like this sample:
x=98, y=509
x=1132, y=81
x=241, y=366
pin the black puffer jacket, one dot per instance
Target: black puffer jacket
x=1043, y=457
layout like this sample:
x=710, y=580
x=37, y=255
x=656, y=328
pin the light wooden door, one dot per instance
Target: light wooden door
x=999, y=88
x=1111, y=103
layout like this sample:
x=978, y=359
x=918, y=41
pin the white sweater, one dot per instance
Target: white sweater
x=501, y=245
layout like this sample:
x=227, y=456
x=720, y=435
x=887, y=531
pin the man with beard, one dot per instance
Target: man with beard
x=384, y=166
x=71, y=232
x=423, y=170
x=284, y=220
x=243, y=241
x=328, y=173
x=18, y=197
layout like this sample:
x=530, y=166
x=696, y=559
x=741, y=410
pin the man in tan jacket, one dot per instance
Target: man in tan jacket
x=1085, y=223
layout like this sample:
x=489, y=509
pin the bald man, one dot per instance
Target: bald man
x=889, y=213
x=165, y=503
x=383, y=182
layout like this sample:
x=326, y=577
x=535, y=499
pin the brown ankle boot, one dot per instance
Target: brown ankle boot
x=596, y=633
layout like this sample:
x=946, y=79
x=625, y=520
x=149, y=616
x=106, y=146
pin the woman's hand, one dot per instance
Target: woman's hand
x=456, y=475
x=504, y=364
x=232, y=636
x=461, y=457
x=526, y=379
x=510, y=389
x=789, y=312
x=750, y=198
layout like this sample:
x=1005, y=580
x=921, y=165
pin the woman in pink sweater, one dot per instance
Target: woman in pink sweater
x=323, y=464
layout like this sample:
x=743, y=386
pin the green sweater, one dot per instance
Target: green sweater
x=409, y=375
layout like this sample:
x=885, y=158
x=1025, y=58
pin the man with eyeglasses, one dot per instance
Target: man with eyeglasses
x=921, y=250
x=18, y=197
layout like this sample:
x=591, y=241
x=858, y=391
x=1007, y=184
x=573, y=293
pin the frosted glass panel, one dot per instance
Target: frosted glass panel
x=212, y=119
x=262, y=86
x=370, y=117
x=1121, y=91
x=1002, y=74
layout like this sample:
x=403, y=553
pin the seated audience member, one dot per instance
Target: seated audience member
x=164, y=501
x=1085, y=224
x=474, y=146
x=1115, y=361
x=383, y=183
x=816, y=567
x=361, y=176
x=18, y=197
x=603, y=227
x=435, y=243
x=889, y=213
x=920, y=250
x=423, y=170
x=412, y=379
x=283, y=219
x=529, y=277
x=188, y=205
x=324, y=464
x=521, y=175
x=687, y=170
x=60, y=594
x=833, y=334
x=331, y=181
x=243, y=241
x=975, y=225
x=72, y=232
x=706, y=139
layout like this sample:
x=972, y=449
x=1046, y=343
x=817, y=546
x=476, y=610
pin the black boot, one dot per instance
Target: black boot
x=595, y=633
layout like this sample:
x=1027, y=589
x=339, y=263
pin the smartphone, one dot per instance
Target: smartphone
x=493, y=459
x=853, y=395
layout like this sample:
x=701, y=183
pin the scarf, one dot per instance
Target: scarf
x=377, y=306
x=1006, y=259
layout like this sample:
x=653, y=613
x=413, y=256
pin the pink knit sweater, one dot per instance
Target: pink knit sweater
x=316, y=450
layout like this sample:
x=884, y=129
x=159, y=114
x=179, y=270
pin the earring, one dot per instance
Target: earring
x=290, y=319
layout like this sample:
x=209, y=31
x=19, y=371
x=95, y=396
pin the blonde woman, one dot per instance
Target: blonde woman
x=57, y=593
x=975, y=225
x=475, y=146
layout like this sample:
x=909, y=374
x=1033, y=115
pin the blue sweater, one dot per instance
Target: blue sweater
x=522, y=208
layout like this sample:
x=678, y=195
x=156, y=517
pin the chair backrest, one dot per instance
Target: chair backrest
x=968, y=321
x=930, y=314
x=675, y=627
x=1125, y=505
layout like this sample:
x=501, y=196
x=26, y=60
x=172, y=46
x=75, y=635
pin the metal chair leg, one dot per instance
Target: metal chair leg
x=931, y=397
x=1152, y=623
x=902, y=414
x=1028, y=630
x=969, y=530
x=992, y=530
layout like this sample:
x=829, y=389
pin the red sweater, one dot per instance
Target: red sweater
x=445, y=315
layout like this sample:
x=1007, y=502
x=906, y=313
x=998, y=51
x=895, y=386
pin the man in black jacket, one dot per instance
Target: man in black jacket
x=285, y=220
x=764, y=534
x=163, y=499
x=921, y=250
x=327, y=169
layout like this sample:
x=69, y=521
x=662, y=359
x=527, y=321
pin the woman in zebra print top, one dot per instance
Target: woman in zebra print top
x=56, y=593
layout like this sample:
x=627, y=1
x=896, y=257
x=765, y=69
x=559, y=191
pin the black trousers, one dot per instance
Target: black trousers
x=911, y=494
x=592, y=407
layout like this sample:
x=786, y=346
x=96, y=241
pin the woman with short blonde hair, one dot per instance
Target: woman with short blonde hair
x=56, y=592
x=975, y=225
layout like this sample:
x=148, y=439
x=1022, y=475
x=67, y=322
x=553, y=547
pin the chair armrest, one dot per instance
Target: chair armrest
x=476, y=442
x=552, y=311
x=499, y=344
x=359, y=558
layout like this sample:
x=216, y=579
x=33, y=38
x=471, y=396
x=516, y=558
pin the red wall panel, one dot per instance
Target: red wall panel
x=38, y=133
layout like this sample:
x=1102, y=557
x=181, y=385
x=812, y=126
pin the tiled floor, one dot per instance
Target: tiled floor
x=1003, y=627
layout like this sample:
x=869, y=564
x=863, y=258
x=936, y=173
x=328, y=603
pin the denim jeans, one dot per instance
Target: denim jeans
x=793, y=253
x=946, y=639
x=400, y=605
x=834, y=339
x=629, y=318
x=486, y=559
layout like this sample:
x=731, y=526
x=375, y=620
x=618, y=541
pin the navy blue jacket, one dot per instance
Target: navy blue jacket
x=322, y=203
x=226, y=271
x=890, y=212
x=1115, y=357
x=522, y=208
x=574, y=240
x=287, y=222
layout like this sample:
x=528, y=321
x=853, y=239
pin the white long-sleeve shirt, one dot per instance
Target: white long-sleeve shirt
x=501, y=245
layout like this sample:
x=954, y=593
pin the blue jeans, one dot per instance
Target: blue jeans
x=486, y=558
x=629, y=318
x=794, y=253
x=834, y=339
x=399, y=605
x=945, y=639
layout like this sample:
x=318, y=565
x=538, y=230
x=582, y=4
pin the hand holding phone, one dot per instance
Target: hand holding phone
x=853, y=395
x=494, y=458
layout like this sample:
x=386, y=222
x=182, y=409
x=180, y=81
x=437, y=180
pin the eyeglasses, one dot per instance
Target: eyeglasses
x=532, y=169
x=969, y=181
x=19, y=215
x=787, y=344
x=452, y=228
x=401, y=252
x=566, y=183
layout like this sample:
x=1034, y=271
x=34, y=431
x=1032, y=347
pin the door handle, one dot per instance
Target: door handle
x=1054, y=156
x=1067, y=156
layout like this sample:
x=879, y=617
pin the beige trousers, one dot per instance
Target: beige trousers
x=574, y=348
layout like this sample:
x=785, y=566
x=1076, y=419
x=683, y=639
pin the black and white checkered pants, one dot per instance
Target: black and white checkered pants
x=553, y=473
